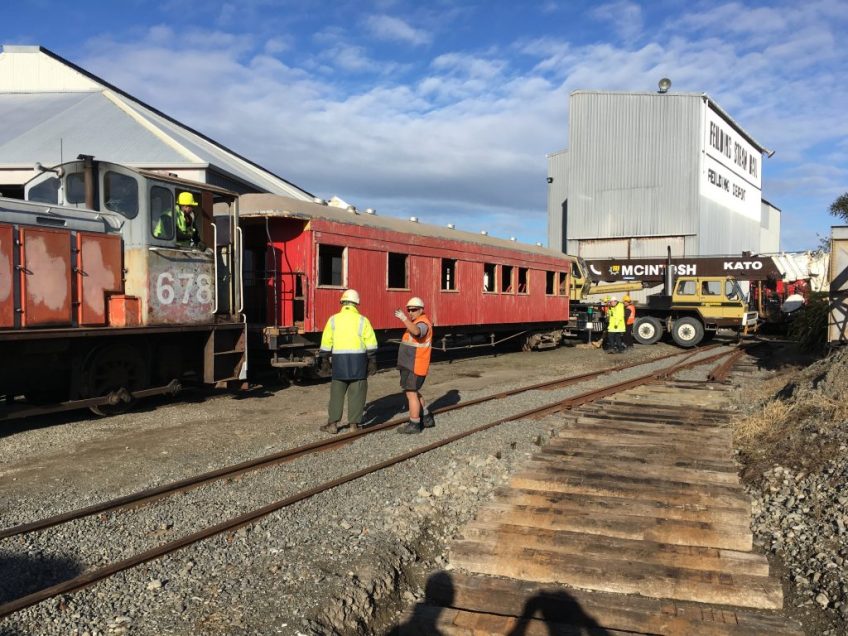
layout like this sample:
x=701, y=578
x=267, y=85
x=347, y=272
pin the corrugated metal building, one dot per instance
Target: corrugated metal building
x=53, y=110
x=648, y=170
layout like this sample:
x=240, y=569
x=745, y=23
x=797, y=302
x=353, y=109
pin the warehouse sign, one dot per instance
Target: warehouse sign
x=653, y=269
x=731, y=171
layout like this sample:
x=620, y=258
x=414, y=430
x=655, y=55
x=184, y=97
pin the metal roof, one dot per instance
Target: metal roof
x=90, y=116
x=268, y=205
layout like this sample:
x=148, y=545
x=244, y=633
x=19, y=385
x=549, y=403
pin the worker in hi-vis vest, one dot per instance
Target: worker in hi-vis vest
x=349, y=338
x=414, y=362
x=183, y=218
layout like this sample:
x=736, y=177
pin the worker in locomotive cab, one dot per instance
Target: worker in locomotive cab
x=183, y=219
x=414, y=362
x=349, y=338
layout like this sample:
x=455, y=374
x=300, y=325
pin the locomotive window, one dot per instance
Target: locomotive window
x=563, y=284
x=75, y=188
x=397, y=278
x=550, y=284
x=489, y=280
x=121, y=194
x=523, y=282
x=162, y=213
x=331, y=268
x=506, y=279
x=46, y=192
x=448, y=274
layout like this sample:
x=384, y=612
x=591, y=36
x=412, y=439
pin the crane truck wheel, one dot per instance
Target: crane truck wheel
x=687, y=332
x=647, y=330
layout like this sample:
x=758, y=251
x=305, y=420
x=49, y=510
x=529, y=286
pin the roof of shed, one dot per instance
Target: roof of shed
x=709, y=100
x=54, y=110
x=268, y=205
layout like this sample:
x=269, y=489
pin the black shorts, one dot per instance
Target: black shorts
x=411, y=382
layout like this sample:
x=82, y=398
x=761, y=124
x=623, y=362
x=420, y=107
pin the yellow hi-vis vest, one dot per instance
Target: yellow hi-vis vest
x=349, y=337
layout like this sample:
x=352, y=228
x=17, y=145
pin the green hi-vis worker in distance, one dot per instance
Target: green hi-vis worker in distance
x=185, y=218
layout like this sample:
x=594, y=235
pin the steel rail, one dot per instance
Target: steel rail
x=291, y=454
x=93, y=576
x=183, y=485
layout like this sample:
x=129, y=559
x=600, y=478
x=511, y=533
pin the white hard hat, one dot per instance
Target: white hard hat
x=415, y=301
x=350, y=296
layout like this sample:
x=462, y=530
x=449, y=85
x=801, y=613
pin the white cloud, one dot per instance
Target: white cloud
x=393, y=29
x=465, y=141
x=624, y=16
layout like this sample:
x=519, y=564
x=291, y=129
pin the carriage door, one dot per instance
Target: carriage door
x=292, y=298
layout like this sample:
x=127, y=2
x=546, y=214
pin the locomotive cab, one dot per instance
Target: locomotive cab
x=104, y=251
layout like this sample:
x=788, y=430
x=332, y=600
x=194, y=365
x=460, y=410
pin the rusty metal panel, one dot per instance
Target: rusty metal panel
x=181, y=286
x=99, y=273
x=46, y=277
x=7, y=280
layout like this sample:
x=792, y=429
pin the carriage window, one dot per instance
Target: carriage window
x=448, y=274
x=506, y=279
x=523, y=281
x=331, y=268
x=46, y=192
x=686, y=288
x=489, y=272
x=550, y=283
x=162, y=213
x=121, y=194
x=563, y=284
x=75, y=188
x=397, y=271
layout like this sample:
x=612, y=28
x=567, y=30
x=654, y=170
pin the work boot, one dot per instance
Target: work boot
x=410, y=428
x=330, y=427
x=428, y=420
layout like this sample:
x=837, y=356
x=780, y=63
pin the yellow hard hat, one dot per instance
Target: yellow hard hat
x=350, y=296
x=626, y=299
x=607, y=299
x=415, y=301
x=186, y=198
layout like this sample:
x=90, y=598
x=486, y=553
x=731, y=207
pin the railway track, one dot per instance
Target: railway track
x=631, y=520
x=688, y=359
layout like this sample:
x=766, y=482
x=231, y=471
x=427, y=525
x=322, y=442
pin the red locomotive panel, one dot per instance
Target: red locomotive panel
x=7, y=270
x=46, y=277
x=98, y=274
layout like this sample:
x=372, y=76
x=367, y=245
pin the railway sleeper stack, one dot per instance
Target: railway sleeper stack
x=631, y=520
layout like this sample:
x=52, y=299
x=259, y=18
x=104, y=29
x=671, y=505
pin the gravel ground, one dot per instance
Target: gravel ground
x=798, y=490
x=341, y=562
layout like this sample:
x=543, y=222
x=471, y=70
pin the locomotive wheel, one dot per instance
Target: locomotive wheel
x=647, y=330
x=687, y=332
x=111, y=370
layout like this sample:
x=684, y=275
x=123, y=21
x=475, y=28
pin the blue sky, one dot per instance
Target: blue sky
x=446, y=109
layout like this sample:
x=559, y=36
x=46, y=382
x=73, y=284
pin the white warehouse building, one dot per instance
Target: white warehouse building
x=644, y=171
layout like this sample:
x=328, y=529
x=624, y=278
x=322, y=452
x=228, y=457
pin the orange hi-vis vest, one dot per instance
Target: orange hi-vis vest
x=631, y=313
x=414, y=353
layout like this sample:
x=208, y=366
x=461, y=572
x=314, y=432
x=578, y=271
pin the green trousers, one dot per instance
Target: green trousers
x=356, y=391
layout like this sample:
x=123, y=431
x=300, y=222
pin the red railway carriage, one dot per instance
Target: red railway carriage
x=99, y=299
x=299, y=256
